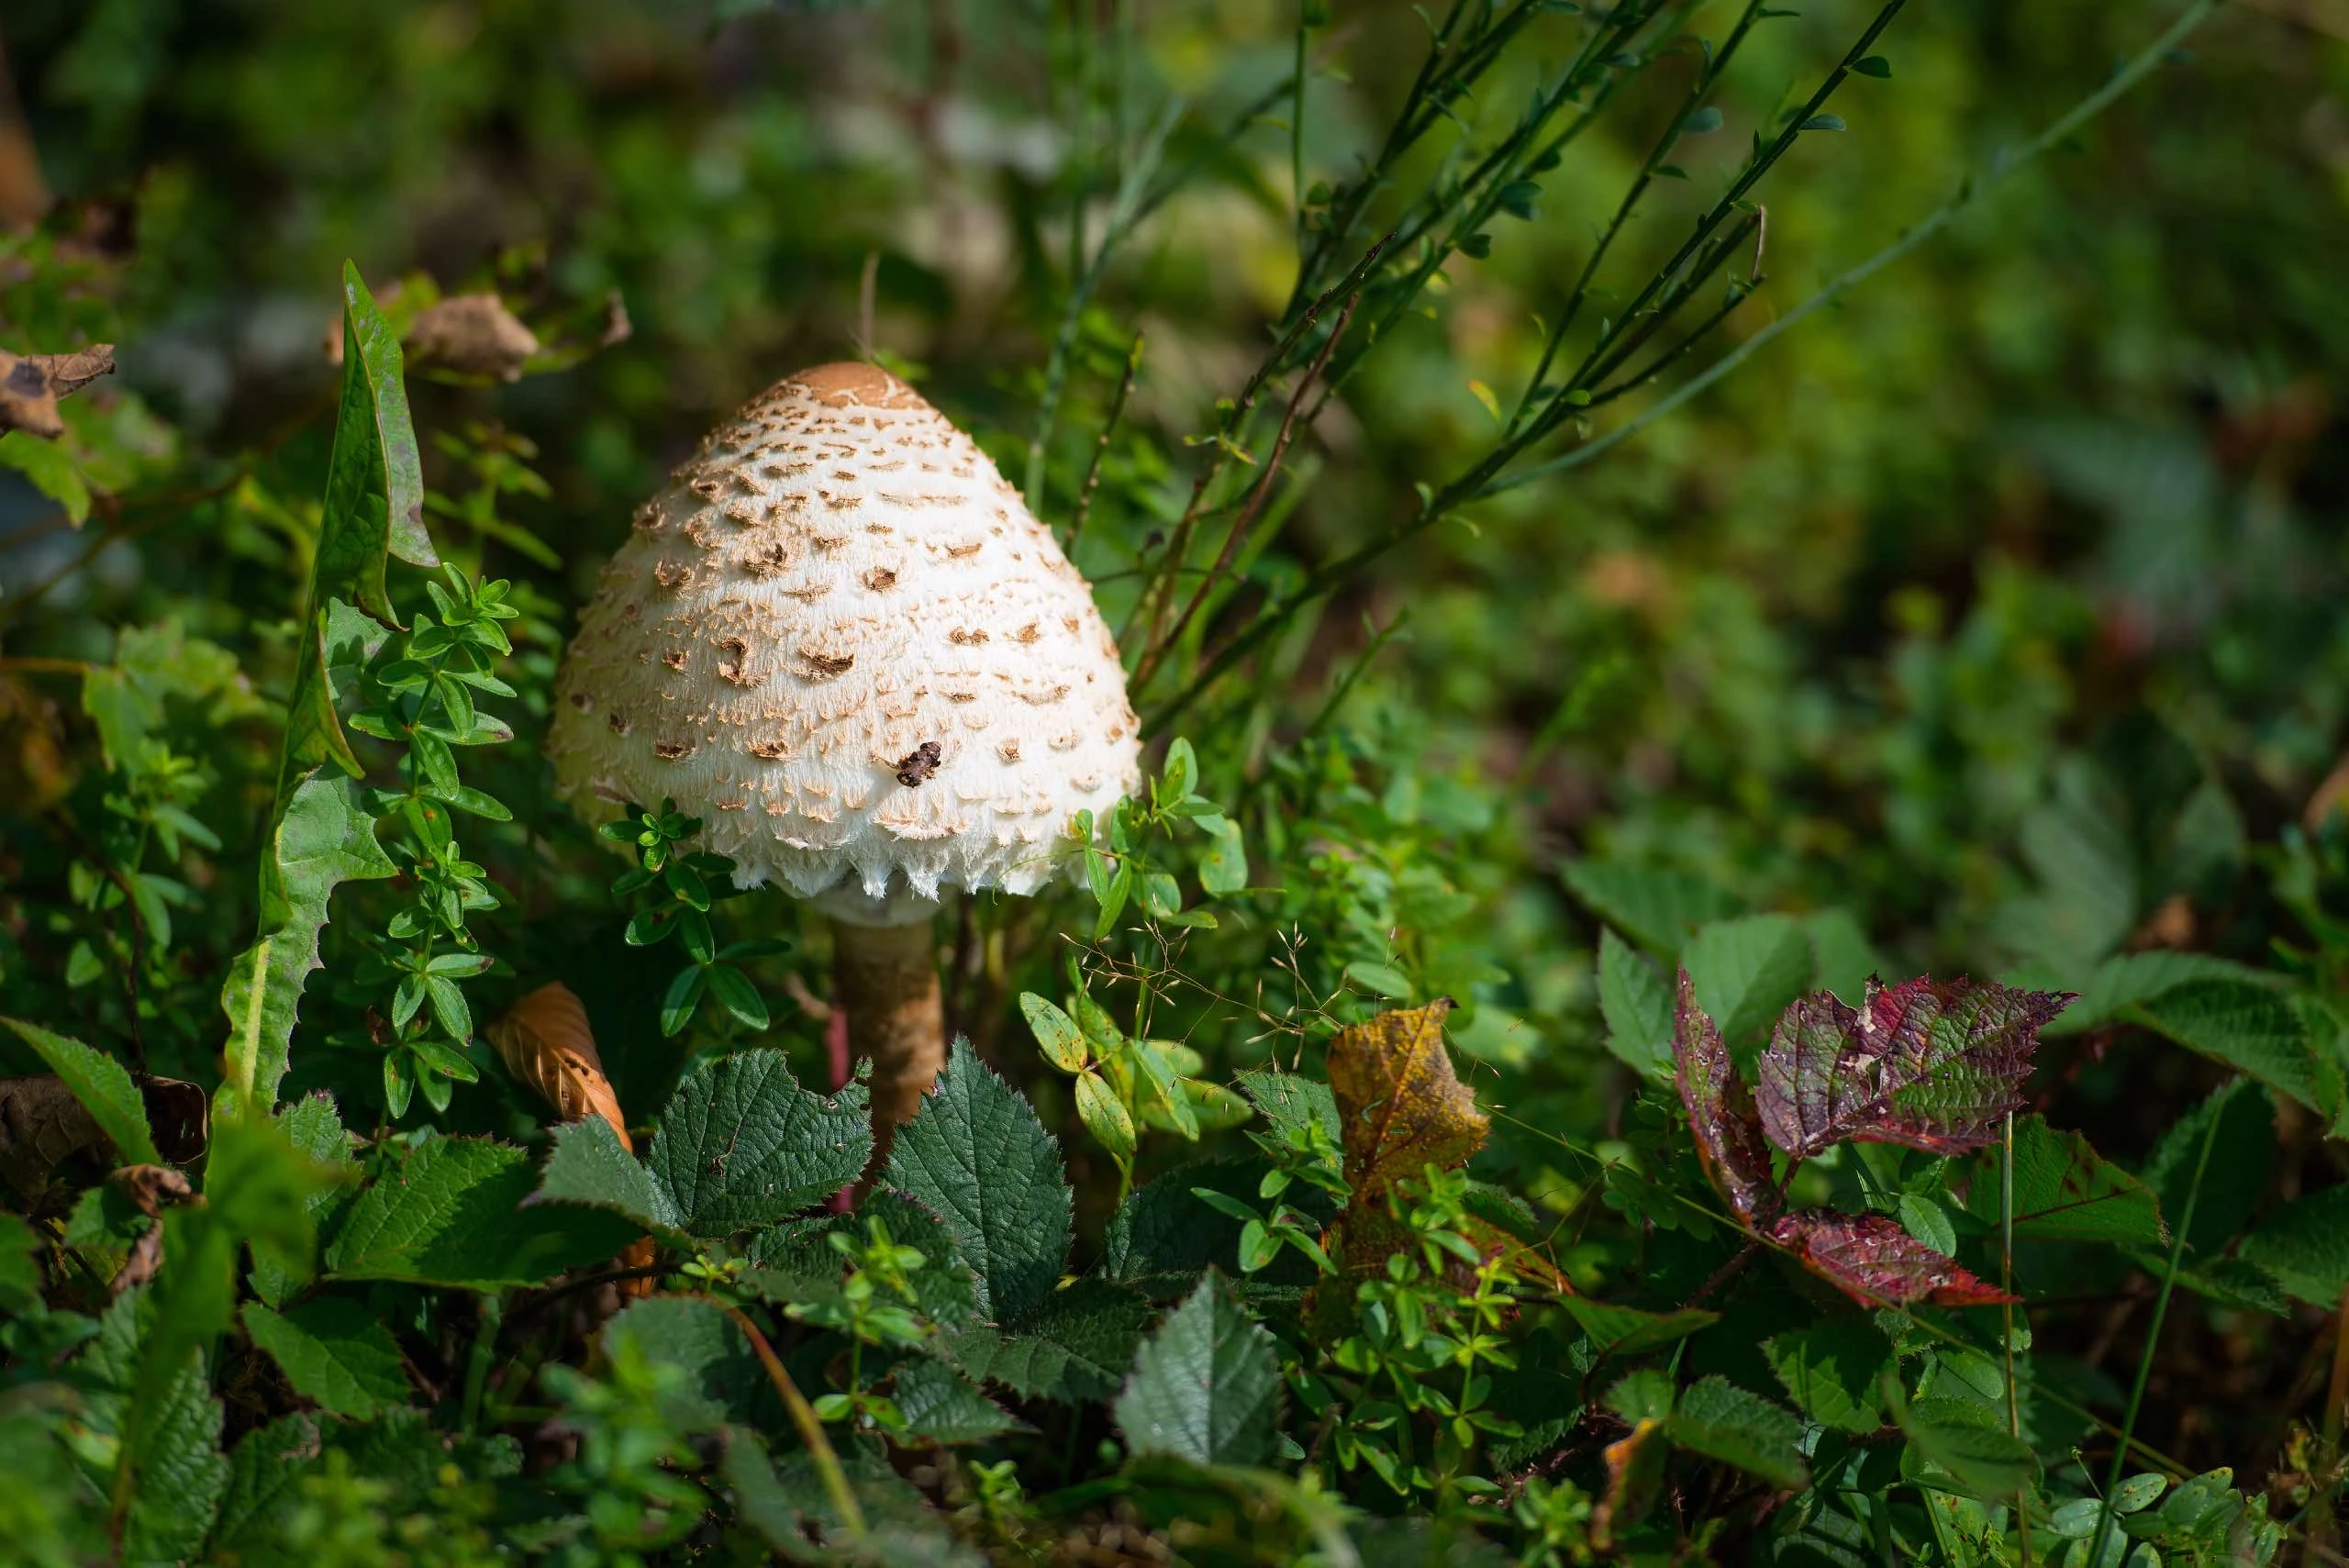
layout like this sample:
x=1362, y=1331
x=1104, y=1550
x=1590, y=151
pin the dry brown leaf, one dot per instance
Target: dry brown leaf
x=545, y=1042
x=1400, y=1106
x=30, y=385
x=42, y=1126
x=472, y=334
x=1634, y=1481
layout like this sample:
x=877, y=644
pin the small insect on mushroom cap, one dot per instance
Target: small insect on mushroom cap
x=839, y=639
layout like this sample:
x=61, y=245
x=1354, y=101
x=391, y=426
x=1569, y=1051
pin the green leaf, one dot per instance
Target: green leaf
x=941, y=1406
x=2243, y=1155
x=314, y=1128
x=1062, y=1041
x=2130, y=978
x=741, y=1145
x=1290, y=1100
x=2252, y=1027
x=1830, y=1371
x=719, y=1377
x=1626, y=1331
x=1748, y=971
x=2065, y=1191
x=19, y=1268
x=1957, y=1437
x=976, y=1155
x=588, y=1166
x=103, y=1087
x=1206, y=1386
x=1875, y=65
x=738, y=995
x=1658, y=909
x=323, y=836
x=451, y=1214
x=2305, y=1244
x=1104, y=1116
x=1718, y=1419
x=336, y=1352
x=1074, y=1347
x=183, y=1474
x=1823, y=122
x=796, y=1261
x=1223, y=865
x=1637, y=1006
x=52, y=469
x=1708, y=118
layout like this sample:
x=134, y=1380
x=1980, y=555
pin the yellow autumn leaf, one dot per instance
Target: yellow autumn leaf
x=1401, y=1108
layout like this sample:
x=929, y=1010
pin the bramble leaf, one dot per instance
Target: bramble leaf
x=1636, y=1005
x=941, y=1406
x=1832, y=1371
x=1206, y=1386
x=1074, y=1346
x=975, y=1155
x=2305, y=1244
x=591, y=1165
x=2065, y=1191
x=1748, y=971
x=1716, y=1417
x=1626, y=1331
x=741, y=1145
x=1930, y=1064
x=1870, y=1259
x=336, y=1352
x=451, y=1214
x=1720, y=1112
x=2253, y=1028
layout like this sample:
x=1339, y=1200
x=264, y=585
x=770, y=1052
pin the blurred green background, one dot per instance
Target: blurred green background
x=1993, y=616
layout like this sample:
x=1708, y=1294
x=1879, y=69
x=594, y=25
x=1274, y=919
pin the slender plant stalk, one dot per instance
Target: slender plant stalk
x=1485, y=480
x=2007, y=1288
x=803, y=1417
x=1101, y=445
x=2152, y=1341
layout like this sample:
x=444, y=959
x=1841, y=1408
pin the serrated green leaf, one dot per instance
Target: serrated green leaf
x=588, y=1166
x=52, y=469
x=2243, y=1156
x=1075, y=1346
x=2305, y=1244
x=2252, y=1027
x=741, y=1145
x=720, y=1375
x=336, y=1352
x=182, y=1473
x=1955, y=1436
x=323, y=836
x=1289, y=1100
x=102, y=1085
x=1830, y=1370
x=797, y=1257
x=1658, y=909
x=1637, y=1007
x=2119, y=982
x=1206, y=1386
x=1748, y=971
x=941, y=1406
x=2065, y=1191
x=451, y=1214
x=1714, y=1418
x=976, y=1154
x=1626, y=1331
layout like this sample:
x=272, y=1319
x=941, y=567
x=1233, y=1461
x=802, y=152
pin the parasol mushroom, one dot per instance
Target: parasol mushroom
x=839, y=639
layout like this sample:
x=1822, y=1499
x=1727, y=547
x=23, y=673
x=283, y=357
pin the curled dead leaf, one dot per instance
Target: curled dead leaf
x=30, y=385
x=1634, y=1481
x=545, y=1042
x=472, y=334
x=151, y=1189
x=43, y=1127
x=1401, y=1109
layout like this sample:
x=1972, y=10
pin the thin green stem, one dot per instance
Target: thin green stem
x=2152, y=1339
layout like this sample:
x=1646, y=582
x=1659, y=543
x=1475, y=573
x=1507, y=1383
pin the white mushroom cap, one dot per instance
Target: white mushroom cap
x=839, y=639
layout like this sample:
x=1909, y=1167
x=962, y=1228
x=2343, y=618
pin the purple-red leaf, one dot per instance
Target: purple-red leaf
x=1932, y=1064
x=1870, y=1259
x=1720, y=1111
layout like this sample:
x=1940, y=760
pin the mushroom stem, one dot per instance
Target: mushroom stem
x=885, y=979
